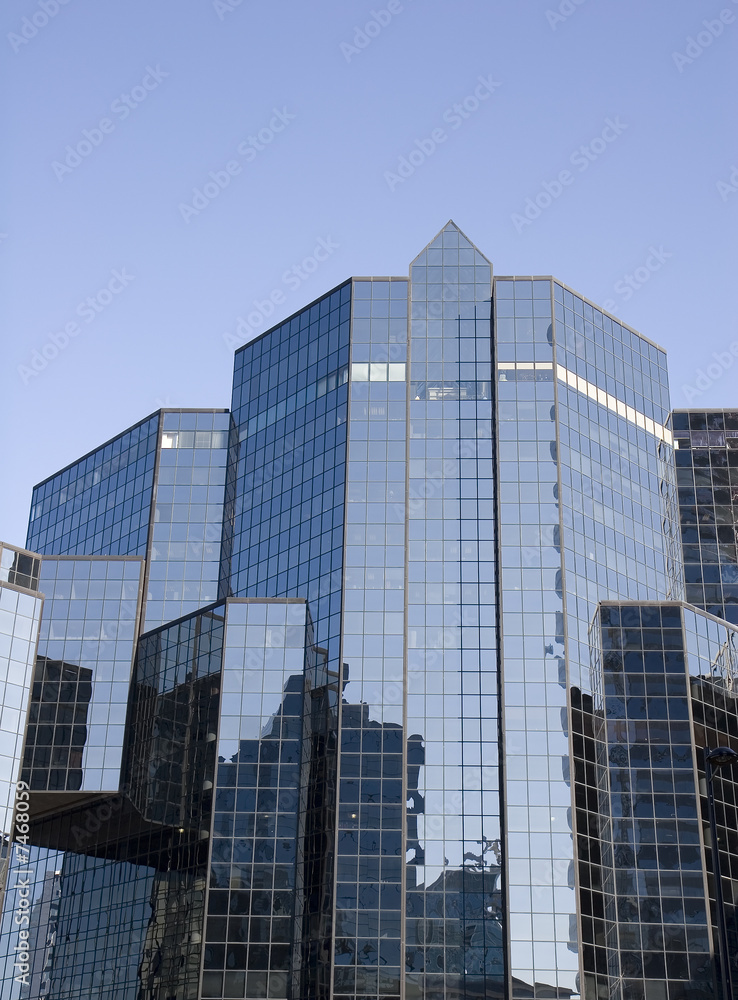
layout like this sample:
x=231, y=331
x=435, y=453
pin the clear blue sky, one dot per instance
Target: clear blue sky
x=347, y=114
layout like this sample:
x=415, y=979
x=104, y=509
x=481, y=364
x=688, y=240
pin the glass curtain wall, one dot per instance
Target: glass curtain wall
x=76, y=721
x=289, y=405
x=185, y=550
x=587, y=511
x=158, y=491
x=542, y=903
x=20, y=613
x=123, y=872
x=257, y=888
x=369, y=873
x=656, y=915
x=619, y=538
x=712, y=656
x=707, y=478
x=454, y=905
x=100, y=505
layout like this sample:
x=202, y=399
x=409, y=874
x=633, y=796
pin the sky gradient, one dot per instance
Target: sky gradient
x=180, y=176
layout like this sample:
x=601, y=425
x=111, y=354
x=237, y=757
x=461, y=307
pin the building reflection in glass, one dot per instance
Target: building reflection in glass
x=707, y=477
x=269, y=899
x=138, y=858
x=712, y=650
x=57, y=725
x=663, y=678
x=87, y=642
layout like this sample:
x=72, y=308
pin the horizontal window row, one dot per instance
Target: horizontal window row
x=253, y=930
x=308, y=359
x=696, y=420
x=260, y=850
x=125, y=515
x=264, y=800
x=256, y=956
x=107, y=542
x=191, y=439
x=239, y=984
x=204, y=420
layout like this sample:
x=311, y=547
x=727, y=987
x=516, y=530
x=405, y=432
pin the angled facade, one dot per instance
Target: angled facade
x=384, y=683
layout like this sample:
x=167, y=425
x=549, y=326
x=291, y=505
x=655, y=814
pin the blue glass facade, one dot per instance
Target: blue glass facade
x=188, y=523
x=707, y=479
x=455, y=926
x=587, y=511
x=662, y=676
x=319, y=711
x=289, y=406
x=77, y=713
x=261, y=897
x=157, y=491
x=619, y=537
x=100, y=505
x=536, y=793
x=712, y=657
x=369, y=869
x=202, y=875
x=20, y=615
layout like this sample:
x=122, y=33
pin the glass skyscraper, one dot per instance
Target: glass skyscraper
x=383, y=683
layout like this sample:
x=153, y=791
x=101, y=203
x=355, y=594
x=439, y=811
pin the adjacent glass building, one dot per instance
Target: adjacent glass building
x=20, y=615
x=383, y=683
x=707, y=479
x=663, y=689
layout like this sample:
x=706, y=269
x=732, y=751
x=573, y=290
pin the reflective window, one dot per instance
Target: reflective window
x=707, y=480
x=645, y=917
x=100, y=505
x=289, y=406
x=453, y=904
x=273, y=810
x=186, y=547
x=76, y=720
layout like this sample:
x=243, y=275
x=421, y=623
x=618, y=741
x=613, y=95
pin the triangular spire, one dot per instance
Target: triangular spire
x=451, y=238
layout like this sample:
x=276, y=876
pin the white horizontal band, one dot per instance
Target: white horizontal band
x=605, y=399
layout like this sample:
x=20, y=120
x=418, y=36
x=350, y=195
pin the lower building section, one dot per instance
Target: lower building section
x=219, y=861
x=263, y=871
x=208, y=871
x=663, y=691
